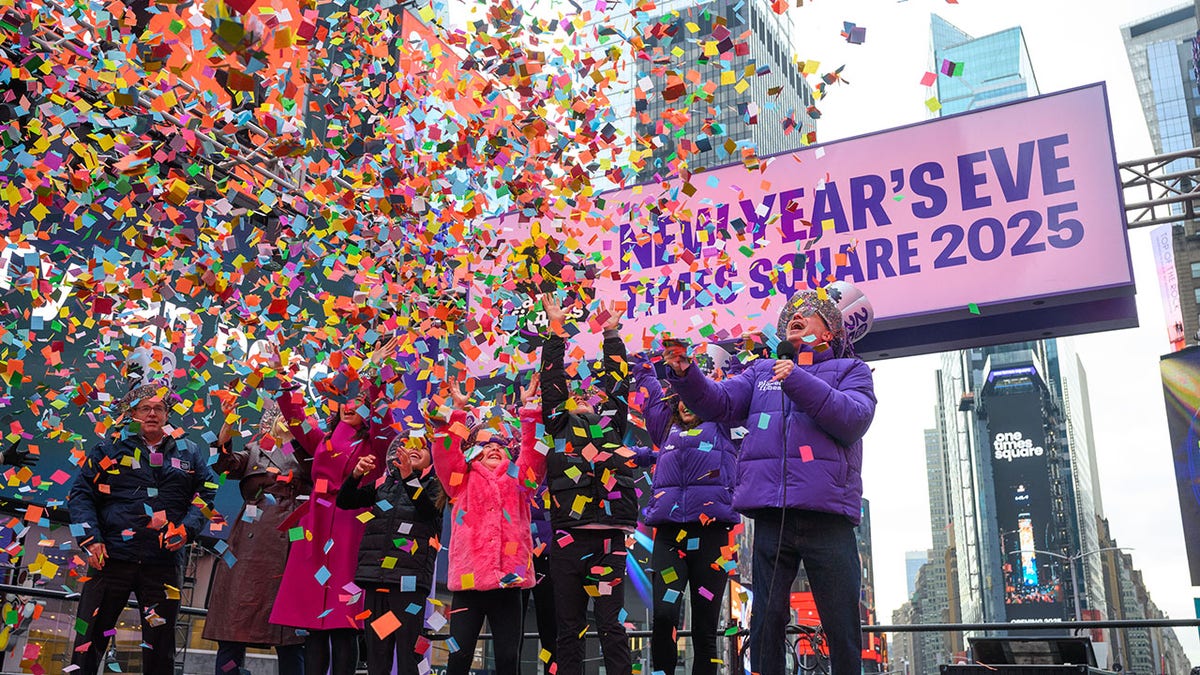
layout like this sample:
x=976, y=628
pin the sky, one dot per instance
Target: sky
x=1070, y=43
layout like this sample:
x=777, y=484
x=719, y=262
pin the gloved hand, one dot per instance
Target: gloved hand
x=17, y=457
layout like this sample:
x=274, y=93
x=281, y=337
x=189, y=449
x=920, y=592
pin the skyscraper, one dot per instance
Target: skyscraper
x=972, y=73
x=912, y=565
x=994, y=68
x=1022, y=481
x=1163, y=56
x=1138, y=650
x=719, y=85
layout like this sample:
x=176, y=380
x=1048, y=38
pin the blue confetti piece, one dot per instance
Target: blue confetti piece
x=322, y=575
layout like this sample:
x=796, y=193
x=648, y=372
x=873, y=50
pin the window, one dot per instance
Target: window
x=1197, y=292
x=1196, y=270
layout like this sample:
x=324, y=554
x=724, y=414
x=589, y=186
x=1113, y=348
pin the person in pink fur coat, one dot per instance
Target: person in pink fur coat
x=491, y=547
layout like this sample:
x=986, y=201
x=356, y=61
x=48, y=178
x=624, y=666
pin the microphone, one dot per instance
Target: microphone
x=786, y=351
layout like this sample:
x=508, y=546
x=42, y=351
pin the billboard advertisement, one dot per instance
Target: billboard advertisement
x=924, y=219
x=1020, y=455
x=1162, y=241
x=1181, y=391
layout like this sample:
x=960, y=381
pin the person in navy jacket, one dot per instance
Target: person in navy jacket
x=799, y=473
x=137, y=501
x=691, y=509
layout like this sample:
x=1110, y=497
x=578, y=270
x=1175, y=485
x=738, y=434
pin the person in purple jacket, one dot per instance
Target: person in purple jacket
x=691, y=509
x=799, y=473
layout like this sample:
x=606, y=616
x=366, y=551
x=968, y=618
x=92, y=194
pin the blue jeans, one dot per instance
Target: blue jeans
x=826, y=544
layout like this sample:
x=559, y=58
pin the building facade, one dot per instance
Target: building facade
x=994, y=69
x=1138, y=650
x=1021, y=468
x=1162, y=55
x=718, y=85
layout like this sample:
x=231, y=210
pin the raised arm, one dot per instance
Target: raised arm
x=448, y=460
x=306, y=432
x=655, y=410
x=554, y=386
x=727, y=401
x=232, y=463
x=615, y=379
x=531, y=462
x=845, y=411
x=352, y=495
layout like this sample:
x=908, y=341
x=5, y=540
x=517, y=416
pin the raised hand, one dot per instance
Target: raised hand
x=228, y=406
x=612, y=315
x=676, y=357
x=388, y=349
x=457, y=397
x=365, y=465
x=404, y=463
x=555, y=315
x=532, y=392
x=16, y=456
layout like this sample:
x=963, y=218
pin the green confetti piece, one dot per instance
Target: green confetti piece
x=973, y=308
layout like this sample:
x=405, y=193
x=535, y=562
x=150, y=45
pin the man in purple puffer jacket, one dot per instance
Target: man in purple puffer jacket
x=799, y=473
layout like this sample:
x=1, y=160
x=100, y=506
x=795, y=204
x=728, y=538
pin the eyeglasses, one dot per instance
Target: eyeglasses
x=161, y=409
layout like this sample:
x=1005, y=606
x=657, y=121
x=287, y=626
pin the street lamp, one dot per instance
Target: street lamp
x=1071, y=564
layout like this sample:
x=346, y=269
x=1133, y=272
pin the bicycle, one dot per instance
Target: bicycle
x=808, y=650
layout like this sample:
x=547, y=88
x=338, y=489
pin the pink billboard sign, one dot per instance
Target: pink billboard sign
x=1162, y=240
x=965, y=214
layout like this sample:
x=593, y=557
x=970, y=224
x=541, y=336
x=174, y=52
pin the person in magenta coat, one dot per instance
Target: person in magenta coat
x=491, y=547
x=317, y=592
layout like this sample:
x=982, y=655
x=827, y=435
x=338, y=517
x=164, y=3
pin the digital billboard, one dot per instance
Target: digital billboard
x=1020, y=460
x=1162, y=239
x=1181, y=390
x=924, y=219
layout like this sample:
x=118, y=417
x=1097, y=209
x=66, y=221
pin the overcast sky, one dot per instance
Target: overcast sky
x=1071, y=43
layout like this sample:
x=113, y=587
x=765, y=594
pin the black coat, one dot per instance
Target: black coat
x=121, y=485
x=397, y=542
x=589, y=473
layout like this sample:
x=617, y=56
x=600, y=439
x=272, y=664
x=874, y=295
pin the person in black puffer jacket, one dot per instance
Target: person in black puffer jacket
x=398, y=550
x=593, y=503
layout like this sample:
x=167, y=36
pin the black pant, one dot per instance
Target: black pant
x=826, y=544
x=592, y=564
x=543, y=609
x=291, y=658
x=401, y=644
x=100, y=604
x=502, y=609
x=331, y=651
x=686, y=555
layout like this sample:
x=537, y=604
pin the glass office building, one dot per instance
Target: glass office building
x=995, y=68
x=1162, y=55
